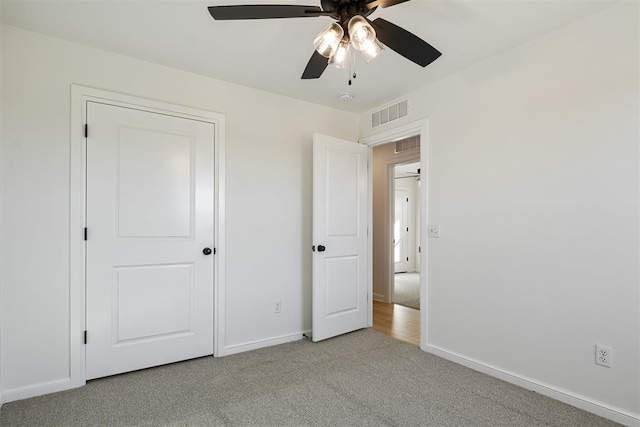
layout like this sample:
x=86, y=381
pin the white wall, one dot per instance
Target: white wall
x=533, y=175
x=268, y=205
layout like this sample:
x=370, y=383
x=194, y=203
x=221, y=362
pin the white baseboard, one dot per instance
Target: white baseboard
x=35, y=390
x=590, y=405
x=254, y=345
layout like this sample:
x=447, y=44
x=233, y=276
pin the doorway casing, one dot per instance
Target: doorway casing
x=419, y=127
x=80, y=95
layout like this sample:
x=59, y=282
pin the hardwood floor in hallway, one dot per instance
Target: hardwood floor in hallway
x=397, y=321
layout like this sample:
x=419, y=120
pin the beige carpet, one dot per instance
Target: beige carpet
x=407, y=289
x=360, y=379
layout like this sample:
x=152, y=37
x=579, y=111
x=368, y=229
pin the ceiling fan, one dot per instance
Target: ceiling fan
x=339, y=41
x=410, y=174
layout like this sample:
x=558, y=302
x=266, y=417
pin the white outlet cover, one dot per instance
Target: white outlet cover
x=604, y=356
x=434, y=231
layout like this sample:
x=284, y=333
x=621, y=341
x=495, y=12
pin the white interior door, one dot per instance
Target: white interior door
x=401, y=231
x=340, y=297
x=150, y=207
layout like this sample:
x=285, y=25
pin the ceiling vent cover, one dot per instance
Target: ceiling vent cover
x=389, y=114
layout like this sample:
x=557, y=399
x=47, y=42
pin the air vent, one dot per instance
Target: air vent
x=410, y=143
x=390, y=113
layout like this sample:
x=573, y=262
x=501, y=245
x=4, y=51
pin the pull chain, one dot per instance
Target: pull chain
x=352, y=66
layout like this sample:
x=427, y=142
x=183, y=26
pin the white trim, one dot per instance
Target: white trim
x=419, y=127
x=370, y=295
x=80, y=95
x=599, y=408
x=269, y=342
x=35, y=390
x=397, y=133
x=389, y=237
x=220, y=260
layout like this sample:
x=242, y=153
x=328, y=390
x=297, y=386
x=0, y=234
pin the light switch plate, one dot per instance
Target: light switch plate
x=434, y=231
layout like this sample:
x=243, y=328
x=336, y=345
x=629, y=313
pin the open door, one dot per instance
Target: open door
x=340, y=297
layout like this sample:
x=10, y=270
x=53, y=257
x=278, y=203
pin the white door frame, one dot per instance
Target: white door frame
x=80, y=95
x=419, y=127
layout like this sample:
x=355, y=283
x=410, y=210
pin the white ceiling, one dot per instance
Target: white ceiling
x=402, y=171
x=271, y=54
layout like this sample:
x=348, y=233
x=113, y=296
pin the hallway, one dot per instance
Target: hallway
x=397, y=321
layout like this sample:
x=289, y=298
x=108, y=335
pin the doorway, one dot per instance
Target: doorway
x=396, y=238
x=406, y=235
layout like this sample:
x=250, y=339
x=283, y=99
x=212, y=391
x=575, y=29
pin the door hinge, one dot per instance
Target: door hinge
x=86, y=130
x=407, y=228
x=84, y=337
x=85, y=233
x=407, y=199
x=407, y=258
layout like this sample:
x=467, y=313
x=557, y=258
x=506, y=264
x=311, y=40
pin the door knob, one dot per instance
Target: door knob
x=206, y=251
x=321, y=248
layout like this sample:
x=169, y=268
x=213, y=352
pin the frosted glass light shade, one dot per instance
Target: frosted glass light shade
x=328, y=40
x=340, y=59
x=361, y=33
x=372, y=50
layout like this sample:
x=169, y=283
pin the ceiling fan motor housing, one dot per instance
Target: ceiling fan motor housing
x=343, y=10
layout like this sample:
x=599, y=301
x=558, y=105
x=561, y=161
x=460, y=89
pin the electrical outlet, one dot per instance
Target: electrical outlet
x=278, y=307
x=604, y=355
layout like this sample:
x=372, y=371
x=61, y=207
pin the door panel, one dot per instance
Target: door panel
x=155, y=174
x=342, y=185
x=149, y=216
x=340, y=298
x=170, y=311
x=341, y=295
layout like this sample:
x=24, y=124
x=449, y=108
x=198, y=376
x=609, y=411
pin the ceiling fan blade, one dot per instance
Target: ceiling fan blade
x=263, y=11
x=315, y=66
x=383, y=3
x=405, y=43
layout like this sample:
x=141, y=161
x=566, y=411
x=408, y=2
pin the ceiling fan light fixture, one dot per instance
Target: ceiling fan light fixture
x=361, y=32
x=328, y=40
x=372, y=50
x=340, y=58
